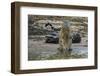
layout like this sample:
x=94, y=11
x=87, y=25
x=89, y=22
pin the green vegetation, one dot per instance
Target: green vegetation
x=58, y=56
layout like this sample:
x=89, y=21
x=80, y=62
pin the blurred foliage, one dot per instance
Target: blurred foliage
x=70, y=18
x=56, y=56
x=35, y=29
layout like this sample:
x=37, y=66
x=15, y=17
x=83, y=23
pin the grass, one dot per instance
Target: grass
x=57, y=56
x=62, y=56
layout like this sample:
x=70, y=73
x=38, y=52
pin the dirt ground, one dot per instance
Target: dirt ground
x=39, y=50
